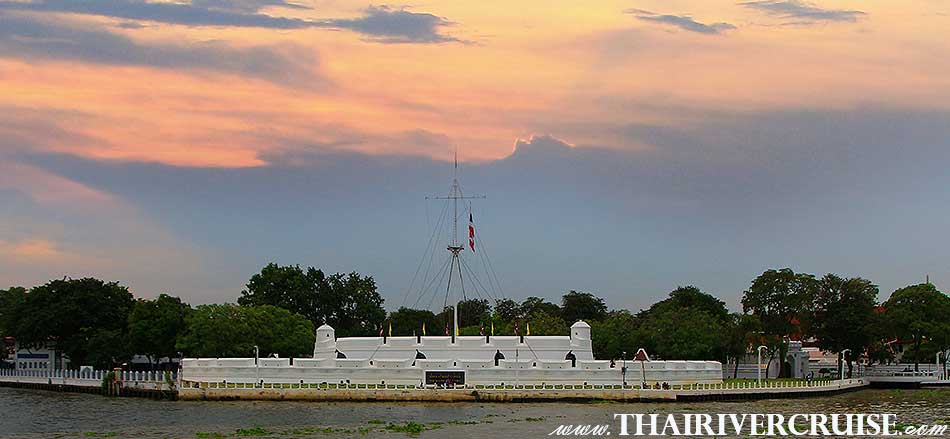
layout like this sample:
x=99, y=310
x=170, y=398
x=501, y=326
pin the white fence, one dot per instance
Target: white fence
x=878, y=369
x=776, y=386
x=87, y=378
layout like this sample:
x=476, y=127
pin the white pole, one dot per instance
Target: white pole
x=517, y=366
x=939, y=375
x=257, y=365
x=841, y=374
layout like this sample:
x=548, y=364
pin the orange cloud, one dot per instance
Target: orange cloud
x=33, y=249
x=545, y=71
x=45, y=187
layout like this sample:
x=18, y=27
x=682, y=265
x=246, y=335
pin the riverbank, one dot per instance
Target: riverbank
x=156, y=386
x=698, y=392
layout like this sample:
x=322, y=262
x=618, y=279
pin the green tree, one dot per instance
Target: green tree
x=217, y=330
x=473, y=312
x=279, y=331
x=841, y=311
x=682, y=341
x=155, y=325
x=781, y=300
x=879, y=351
x=228, y=330
x=674, y=333
x=288, y=287
x=348, y=302
x=695, y=299
x=919, y=312
x=615, y=334
x=444, y=320
x=582, y=306
x=507, y=310
x=534, y=304
x=106, y=347
x=742, y=333
x=543, y=323
x=406, y=321
x=10, y=301
x=70, y=313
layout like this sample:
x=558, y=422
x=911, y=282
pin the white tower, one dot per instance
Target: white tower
x=580, y=341
x=325, y=345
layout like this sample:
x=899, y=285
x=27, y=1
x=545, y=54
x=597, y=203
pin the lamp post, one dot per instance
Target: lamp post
x=758, y=366
x=623, y=370
x=841, y=375
x=257, y=365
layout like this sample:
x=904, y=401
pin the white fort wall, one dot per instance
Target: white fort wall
x=533, y=360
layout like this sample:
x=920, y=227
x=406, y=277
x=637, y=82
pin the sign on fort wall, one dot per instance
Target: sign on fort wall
x=445, y=377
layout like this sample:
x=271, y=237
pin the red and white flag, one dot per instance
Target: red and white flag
x=471, y=232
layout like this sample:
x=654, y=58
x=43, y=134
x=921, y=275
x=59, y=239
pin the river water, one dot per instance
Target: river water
x=41, y=414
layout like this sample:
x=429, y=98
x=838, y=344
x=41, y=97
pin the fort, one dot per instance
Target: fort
x=448, y=361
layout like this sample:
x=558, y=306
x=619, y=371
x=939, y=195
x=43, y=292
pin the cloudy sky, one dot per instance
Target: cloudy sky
x=626, y=147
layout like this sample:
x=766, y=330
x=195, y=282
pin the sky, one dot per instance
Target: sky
x=624, y=147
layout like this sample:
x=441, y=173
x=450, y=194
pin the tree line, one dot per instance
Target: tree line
x=100, y=323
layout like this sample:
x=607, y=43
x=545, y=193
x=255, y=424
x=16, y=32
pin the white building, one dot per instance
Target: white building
x=440, y=360
x=45, y=358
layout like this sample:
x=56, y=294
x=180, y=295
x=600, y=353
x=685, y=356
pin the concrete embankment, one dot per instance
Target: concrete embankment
x=721, y=392
x=125, y=384
x=131, y=384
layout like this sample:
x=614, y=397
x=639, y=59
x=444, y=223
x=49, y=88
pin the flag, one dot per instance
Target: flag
x=527, y=328
x=456, y=331
x=380, y=330
x=390, y=329
x=516, y=328
x=446, y=329
x=493, y=327
x=423, y=328
x=471, y=232
x=482, y=330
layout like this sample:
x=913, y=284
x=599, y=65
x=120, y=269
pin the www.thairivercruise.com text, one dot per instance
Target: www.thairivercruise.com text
x=756, y=424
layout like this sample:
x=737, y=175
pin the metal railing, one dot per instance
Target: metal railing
x=90, y=375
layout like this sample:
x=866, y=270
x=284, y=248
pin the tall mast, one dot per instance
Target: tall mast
x=455, y=265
